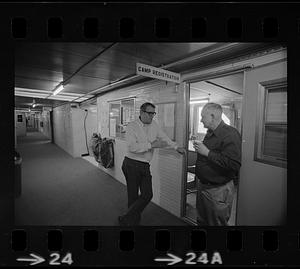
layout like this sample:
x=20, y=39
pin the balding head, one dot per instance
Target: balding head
x=211, y=115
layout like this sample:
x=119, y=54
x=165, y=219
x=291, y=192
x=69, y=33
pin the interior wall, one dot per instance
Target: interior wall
x=62, y=125
x=82, y=142
x=166, y=165
x=46, y=128
x=69, y=132
x=262, y=193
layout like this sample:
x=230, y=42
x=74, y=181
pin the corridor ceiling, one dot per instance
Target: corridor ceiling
x=88, y=69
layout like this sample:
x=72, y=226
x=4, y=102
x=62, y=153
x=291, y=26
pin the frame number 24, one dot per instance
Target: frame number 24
x=56, y=259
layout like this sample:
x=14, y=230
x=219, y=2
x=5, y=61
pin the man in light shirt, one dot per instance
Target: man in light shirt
x=143, y=136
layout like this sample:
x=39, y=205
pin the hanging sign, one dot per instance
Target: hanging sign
x=158, y=73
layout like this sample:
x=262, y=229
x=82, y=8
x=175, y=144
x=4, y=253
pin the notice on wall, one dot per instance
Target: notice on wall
x=158, y=73
x=112, y=127
x=127, y=115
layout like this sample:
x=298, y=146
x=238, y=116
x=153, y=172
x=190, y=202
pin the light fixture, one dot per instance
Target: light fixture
x=33, y=103
x=198, y=101
x=59, y=89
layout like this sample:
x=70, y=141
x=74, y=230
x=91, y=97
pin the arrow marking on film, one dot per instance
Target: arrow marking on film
x=172, y=260
x=34, y=260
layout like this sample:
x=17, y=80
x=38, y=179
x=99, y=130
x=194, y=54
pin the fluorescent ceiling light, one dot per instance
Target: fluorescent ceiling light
x=31, y=90
x=61, y=98
x=59, y=89
x=36, y=95
x=198, y=102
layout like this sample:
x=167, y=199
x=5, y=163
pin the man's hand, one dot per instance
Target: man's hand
x=201, y=148
x=180, y=150
x=159, y=144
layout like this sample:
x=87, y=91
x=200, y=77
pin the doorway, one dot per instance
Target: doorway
x=228, y=92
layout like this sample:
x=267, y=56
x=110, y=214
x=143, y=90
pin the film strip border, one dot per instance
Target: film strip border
x=162, y=27
x=153, y=246
x=155, y=22
x=145, y=22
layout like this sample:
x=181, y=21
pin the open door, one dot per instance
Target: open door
x=228, y=92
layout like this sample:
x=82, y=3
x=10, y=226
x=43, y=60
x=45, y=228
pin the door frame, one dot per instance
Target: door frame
x=51, y=126
x=186, y=144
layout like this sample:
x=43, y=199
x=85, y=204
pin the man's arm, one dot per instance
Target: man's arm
x=133, y=145
x=230, y=156
x=161, y=135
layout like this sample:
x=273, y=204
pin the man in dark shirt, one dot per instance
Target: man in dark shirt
x=217, y=167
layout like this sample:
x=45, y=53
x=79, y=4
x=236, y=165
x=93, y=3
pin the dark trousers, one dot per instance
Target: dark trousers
x=214, y=204
x=138, y=178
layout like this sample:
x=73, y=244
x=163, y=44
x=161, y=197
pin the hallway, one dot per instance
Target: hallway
x=58, y=189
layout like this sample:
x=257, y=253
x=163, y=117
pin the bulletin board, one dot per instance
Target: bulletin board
x=166, y=115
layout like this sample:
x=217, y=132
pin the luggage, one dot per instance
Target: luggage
x=107, y=153
x=95, y=145
x=103, y=150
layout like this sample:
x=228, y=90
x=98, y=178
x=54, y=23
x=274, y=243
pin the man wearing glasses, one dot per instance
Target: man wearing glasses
x=142, y=136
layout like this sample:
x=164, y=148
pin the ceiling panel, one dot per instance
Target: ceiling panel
x=117, y=68
x=29, y=72
x=233, y=82
x=202, y=89
x=78, y=48
x=43, y=65
x=164, y=53
x=81, y=84
x=35, y=83
x=27, y=101
x=59, y=57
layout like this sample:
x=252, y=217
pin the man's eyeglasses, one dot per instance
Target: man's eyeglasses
x=150, y=113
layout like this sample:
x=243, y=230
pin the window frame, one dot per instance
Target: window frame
x=121, y=113
x=261, y=123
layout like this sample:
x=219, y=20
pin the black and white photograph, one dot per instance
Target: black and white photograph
x=150, y=134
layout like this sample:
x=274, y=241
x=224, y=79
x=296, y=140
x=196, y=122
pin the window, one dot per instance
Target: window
x=20, y=118
x=271, y=138
x=121, y=112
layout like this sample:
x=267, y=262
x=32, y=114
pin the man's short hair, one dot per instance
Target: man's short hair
x=145, y=105
x=216, y=109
